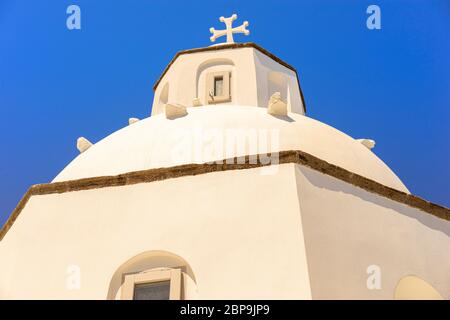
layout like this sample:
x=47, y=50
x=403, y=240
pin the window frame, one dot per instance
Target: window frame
x=210, y=87
x=151, y=276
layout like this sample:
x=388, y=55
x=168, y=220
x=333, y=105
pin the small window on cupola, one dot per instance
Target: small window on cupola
x=218, y=87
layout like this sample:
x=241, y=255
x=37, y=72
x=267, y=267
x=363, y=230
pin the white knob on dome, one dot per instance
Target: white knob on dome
x=83, y=144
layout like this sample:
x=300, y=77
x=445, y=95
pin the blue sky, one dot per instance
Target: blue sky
x=392, y=85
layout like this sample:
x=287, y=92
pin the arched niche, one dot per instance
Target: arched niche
x=415, y=288
x=163, y=97
x=152, y=260
x=211, y=65
x=277, y=82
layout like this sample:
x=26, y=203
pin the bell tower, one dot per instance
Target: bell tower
x=243, y=74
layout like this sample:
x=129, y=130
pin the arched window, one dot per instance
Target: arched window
x=214, y=81
x=153, y=275
x=154, y=284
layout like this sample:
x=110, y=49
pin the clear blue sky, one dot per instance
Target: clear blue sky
x=392, y=85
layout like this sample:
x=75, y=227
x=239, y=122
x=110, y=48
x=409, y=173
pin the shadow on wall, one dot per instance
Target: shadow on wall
x=146, y=261
x=339, y=186
x=352, y=229
x=284, y=118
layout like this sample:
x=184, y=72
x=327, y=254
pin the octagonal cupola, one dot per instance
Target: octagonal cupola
x=227, y=73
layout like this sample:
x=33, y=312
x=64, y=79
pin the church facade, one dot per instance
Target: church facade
x=227, y=191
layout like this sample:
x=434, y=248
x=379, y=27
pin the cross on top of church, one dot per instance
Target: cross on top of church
x=229, y=29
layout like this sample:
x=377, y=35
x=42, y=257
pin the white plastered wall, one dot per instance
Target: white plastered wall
x=348, y=229
x=266, y=69
x=239, y=231
x=250, y=73
x=185, y=81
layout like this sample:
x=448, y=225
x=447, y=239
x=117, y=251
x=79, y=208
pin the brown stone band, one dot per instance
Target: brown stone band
x=298, y=157
x=233, y=46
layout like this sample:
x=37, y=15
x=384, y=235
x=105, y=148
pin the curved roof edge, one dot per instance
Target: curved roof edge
x=233, y=46
x=292, y=156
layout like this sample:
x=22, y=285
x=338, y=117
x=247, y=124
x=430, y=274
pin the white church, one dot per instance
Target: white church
x=227, y=191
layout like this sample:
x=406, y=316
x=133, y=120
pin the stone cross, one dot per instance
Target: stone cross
x=229, y=29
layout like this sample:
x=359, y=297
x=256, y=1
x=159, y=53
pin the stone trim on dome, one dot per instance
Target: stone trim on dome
x=292, y=156
x=233, y=46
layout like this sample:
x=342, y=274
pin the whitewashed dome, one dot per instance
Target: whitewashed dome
x=157, y=142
